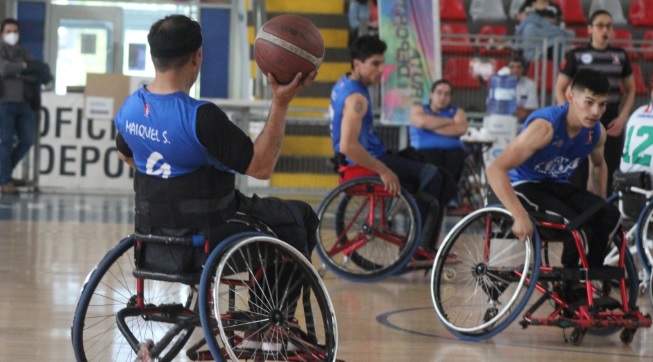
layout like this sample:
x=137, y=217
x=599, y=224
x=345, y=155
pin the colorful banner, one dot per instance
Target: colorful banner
x=407, y=27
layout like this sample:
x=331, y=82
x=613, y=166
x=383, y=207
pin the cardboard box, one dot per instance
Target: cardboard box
x=105, y=93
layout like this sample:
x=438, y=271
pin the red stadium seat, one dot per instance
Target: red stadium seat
x=549, y=75
x=581, y=33
x=457, y=70
x=488, y=46
x=572, y=12
x=640, y=86
x=625, y=40
x=640, y=14
x=455, y=45
x=647, y=46
x=452, y=10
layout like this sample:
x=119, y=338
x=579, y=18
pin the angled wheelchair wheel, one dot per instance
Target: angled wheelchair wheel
x=109, y=324
x=262, y=300
x=644, y=237
x=472, y=185
x=495, y=275
x=366, y=234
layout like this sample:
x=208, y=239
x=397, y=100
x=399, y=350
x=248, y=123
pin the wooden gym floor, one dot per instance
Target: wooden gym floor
x=49, y=242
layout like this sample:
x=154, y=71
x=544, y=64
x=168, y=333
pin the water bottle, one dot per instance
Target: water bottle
x=502, y=98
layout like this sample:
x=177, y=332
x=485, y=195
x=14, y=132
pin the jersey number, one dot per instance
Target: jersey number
x=162, y=169
x=637, y=157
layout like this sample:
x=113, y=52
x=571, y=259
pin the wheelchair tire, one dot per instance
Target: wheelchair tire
x=109, y=296
x=492, y=273
x=644, y=237
x=250, y=281
x=362, y=244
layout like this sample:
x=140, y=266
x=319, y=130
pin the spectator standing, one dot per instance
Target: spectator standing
x=615, y=64
x=17, y=118
x=358, y=15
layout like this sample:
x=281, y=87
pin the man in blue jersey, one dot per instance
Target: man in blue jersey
x=435, y=130
x=354, y=138
x=186, y=152
x=532, y=171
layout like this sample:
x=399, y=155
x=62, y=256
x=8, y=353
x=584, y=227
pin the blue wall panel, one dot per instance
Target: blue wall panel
x=214, y=82
x=31, y=16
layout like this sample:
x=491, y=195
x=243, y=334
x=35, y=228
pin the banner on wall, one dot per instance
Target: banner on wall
x=78, y=153
x=407, y=28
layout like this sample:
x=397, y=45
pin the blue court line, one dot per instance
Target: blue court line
x=383, y=319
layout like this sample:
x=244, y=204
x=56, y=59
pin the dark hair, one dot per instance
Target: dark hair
x=519, y=59
x=441, y=81
x=599, y=13
x=366, y=46
x=173, y=40
x=9, y=21
x=590, y=79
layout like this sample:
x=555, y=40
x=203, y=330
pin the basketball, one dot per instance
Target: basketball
x=286, y=45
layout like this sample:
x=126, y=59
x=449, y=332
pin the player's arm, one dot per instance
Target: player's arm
x=352, y=122
x=124, y=152
x=533, y=138
x=267, y=146
x=598, y=173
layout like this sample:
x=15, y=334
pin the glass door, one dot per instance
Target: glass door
x=83, y=40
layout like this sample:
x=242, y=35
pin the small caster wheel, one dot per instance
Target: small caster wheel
x=627, y=335
x=449, y=274
x=576, y=337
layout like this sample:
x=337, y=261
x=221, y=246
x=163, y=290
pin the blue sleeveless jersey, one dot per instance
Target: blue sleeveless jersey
x=423, y=139
x=368, y=137
x=160, y=131
x=557, y=160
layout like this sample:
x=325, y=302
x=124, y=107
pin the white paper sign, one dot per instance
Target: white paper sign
x=99, y=107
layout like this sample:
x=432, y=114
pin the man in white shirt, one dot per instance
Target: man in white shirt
x=526, y=89
x=638, y=151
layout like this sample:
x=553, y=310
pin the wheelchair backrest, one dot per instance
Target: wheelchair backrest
x=631, y=203
x=184, y=263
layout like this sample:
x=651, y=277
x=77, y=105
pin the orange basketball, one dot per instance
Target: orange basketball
x=286, y=45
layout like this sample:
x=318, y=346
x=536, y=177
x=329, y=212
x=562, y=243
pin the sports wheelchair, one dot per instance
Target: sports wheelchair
x=251, y=297
x=634, y=197
x=498, y=273
x=365, y=233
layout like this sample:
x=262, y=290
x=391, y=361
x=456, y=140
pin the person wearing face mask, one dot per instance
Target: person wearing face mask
x=614, y=63
x=17, y=118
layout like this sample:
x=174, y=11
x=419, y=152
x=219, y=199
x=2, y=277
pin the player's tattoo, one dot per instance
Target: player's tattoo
x=358, y=107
